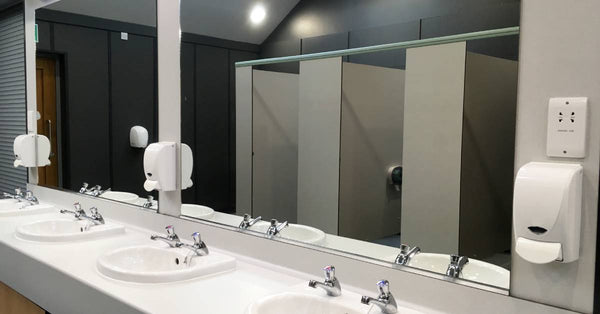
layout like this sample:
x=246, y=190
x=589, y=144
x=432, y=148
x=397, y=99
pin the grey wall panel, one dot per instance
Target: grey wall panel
x=234, y=56
x=275, y=145
x=212, y=128
x=188, y=116
x=12, y=96
x=87, y=113
x=316, y=17
x=383, y=35
x=133, y=102
x=330, y=42
x=433, y=128
x=279, y=49
x=477, y=20
x=243, y=144
x=319, y=116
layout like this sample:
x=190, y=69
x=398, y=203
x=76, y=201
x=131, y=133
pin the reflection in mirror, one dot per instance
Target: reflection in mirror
x=97, y=96
x=404, y=156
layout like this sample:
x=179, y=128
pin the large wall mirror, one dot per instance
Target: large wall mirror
x=96, y=77
x=405, y=156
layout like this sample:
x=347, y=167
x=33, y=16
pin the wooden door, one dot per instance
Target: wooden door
x=12, y=302
x=46, y=125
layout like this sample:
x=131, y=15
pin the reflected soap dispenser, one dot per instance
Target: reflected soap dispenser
x=31, y=150
x=187, y=166
x=547, y=212
x=160, y=166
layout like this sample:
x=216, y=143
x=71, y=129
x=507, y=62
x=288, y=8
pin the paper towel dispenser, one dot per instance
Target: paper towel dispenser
x=31, y=150
x=160, y=167
x=547, y=212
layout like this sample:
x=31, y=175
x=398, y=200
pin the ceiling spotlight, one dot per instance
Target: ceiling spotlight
x=257, y=15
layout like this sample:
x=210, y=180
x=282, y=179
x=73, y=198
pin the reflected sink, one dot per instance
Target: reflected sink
x=120, y=196
x=197, y=211
x=64, y=230
x=475, y=270
x=299, y=303
x=17, y=209
x=294, y=232
x=149, y=264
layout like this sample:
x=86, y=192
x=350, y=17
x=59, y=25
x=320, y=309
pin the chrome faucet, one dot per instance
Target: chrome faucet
x=29, y=198
x=331, y=285
x=457, y=263
x=199, y=248
x=247, y=223
x=172, y=239
x=385, y=301
x=18, y=194
x=95, y=218
x=406, y=254
x=84, y=189
x=149, y=202
x=78, y=212
x=276, y=227
x=95, y=191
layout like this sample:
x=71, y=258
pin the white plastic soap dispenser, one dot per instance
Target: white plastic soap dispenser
x=31, y=150
x=187, y=166
x=160, y=167
x=547, y=212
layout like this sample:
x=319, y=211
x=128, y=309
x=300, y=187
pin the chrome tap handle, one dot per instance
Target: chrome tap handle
x=28, y=194
x=197, y=239
x=85, y=185
x=273, y=222
x=329, y=272
x=246, y=218
x=150, y=198
x=18, y=192
x=404, y=248
x=170, y=230
x=77, y=206
x=94, y=211
x=454, y=259
x=384, y=288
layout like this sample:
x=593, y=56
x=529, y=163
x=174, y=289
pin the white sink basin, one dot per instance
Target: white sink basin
x=125, y=197
x=300, y=303
x=294, y=232
x=65, y=230
x=475, y=270
x=7, y=202
x=197, y=211
x=149, y=264
x=23, y=209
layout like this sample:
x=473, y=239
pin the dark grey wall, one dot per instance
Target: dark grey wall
x=314, y=26
x=208, y=117
x=109, y=85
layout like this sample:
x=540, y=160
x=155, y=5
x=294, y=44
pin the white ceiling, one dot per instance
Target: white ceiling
x=227, y=19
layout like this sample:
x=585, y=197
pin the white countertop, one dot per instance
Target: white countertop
x=230, y=292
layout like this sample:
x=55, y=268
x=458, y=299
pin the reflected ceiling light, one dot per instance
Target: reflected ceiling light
x=257, y=15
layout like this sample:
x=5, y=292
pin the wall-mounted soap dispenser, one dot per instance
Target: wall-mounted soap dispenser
x=187, y=166
x=160, y=167
x=31, y=150
x=547, y=212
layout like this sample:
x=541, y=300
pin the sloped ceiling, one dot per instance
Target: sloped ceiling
x=226, y=19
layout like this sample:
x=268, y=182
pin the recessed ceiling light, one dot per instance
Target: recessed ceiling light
x=257, y=15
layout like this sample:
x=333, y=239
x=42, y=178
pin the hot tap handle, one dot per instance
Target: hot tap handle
x=246, y=217
x=329, y=272
x=454, y=259
x=197, y=238
x=77, y=206
x=273, y=222
x=384, y=287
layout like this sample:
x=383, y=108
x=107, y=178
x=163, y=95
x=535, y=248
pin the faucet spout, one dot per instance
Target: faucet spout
x=457, y=263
